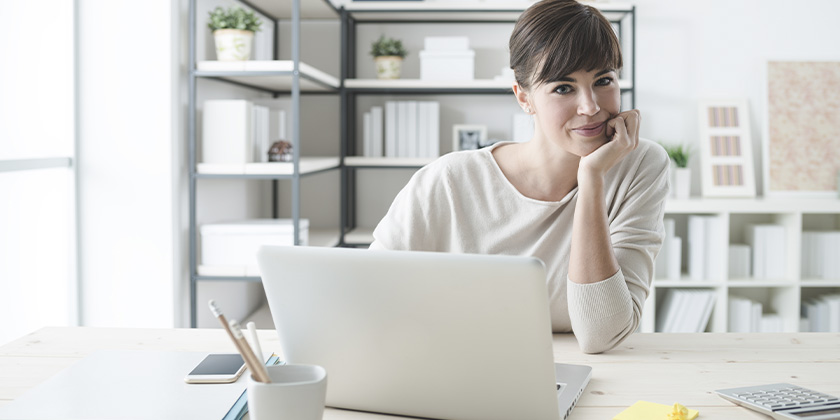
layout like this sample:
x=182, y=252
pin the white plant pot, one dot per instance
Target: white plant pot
x=388, y=66
x=233, y=44
x=682, y=183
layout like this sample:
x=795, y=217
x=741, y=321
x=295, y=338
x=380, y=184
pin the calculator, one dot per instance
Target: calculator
x=785, y=401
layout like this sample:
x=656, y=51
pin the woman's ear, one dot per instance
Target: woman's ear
x=522, y=98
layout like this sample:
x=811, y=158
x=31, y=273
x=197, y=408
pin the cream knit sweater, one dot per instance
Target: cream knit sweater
x=463, y=203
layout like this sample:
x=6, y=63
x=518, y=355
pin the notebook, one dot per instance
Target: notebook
x=434, y=335
x=127, y=385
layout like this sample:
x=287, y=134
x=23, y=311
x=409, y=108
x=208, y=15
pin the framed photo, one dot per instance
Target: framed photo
x=801, y=148
x=726, y=155
x=468, y=137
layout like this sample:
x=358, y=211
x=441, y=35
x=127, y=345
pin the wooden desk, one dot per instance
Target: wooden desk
x=662, y=368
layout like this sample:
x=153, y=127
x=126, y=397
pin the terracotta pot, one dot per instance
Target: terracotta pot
x=233, y=44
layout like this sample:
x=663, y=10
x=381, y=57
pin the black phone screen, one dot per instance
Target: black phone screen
x=219, y=364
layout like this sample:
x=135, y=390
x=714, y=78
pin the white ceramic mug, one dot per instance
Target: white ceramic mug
x=296, y=392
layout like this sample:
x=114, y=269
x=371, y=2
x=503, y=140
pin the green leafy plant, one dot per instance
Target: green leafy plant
x=678, y=153
x=387, y=46
x=234, y=18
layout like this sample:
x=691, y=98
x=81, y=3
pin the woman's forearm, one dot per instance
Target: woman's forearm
x=592, y=258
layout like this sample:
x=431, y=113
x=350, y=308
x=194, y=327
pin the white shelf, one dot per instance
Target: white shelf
x=502, y=11
x=387, y=162
x=686, y=283
x=752, y=205
x=819, y=283
x=502, y=86
x=359, y=236
x=747, y=283
x=309, y=9
x=274, y=75
x=307, y=166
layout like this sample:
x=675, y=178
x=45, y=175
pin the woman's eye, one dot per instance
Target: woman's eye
x=563, y=89
x=604, y=81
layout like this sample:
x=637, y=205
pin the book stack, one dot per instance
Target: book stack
x=669, y=260
x=236, y=131
x=746, y=315
x=768, y=245
x=685, y=310
x=705, y=255
x=821, y=314
x=412, y=130
x=820, y=251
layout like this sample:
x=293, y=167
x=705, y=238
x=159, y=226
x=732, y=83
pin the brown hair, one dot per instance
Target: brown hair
x=563, y=36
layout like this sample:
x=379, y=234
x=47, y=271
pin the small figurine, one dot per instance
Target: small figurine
x=280, y=151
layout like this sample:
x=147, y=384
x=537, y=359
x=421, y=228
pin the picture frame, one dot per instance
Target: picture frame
x=800, y=146
x=726, y=154
x=468, y=137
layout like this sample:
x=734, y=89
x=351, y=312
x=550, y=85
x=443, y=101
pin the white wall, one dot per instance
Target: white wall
x=130, y=162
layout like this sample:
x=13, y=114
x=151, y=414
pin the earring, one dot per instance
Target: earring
x=527, y=109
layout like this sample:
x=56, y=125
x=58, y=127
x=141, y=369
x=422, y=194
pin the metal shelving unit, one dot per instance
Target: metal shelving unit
x=278, y=77
x=359, y=13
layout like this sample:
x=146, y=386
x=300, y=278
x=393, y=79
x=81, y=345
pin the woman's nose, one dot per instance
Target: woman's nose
x=587, y=103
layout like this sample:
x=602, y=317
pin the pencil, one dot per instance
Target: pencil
x=252, y=329
x=244, y=352
x=256, y=367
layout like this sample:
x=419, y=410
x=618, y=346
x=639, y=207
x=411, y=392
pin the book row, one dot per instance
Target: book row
x=820, y=251
x=685, y=310
x=821, y=314
x=403, y=129
x=747, y=315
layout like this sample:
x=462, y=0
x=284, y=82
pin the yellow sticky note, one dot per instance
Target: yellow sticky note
x=644, y=410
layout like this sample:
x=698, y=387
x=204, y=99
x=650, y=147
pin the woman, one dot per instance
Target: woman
x=585, y=194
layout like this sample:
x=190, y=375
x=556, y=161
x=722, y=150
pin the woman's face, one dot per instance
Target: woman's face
x=573, y=112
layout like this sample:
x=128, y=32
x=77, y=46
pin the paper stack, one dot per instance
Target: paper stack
x=685, y=310
x=768, y=244
x=821, y=314
x=669, y=260
x=706, y=253
x=820, y=251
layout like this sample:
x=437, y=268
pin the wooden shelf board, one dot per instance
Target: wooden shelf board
x=752, y=205
x=307, y=166
x=503, y=86
x=497, y=11
x=309, y=9
x=360, y=236
x=274, y=75
x=360, y=161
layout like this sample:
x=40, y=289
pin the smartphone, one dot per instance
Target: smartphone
x=217, y=369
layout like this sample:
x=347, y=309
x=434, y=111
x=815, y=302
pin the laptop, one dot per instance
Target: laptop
x=434, y=335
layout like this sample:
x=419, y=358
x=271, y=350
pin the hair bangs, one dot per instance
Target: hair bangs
x=587, y=43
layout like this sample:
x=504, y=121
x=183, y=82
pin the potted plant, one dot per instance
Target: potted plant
x=233, y=30
x=681, y=186
x=388, y=54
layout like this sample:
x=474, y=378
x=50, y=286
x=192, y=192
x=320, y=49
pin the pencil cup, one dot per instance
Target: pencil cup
x=296, y=392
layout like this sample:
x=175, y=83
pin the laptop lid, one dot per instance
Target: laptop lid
x=422, y=334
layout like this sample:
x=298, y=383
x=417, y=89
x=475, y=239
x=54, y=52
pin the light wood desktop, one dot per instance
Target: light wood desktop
x=661, y=368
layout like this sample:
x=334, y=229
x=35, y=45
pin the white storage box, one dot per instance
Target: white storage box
x=447, y=65
x=446, y=43
x=235, y=244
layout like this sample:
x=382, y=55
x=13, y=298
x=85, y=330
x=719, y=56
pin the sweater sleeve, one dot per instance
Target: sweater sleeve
x=605, y=313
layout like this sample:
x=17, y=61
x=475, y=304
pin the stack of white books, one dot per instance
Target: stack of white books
x=746, y=315
x=706, y=256
x=412, y=130
x=821, y=254
x=669, y=260
x=236, y=131
x=821, y=314
x=685, y=310
x=768, y=245
x=739, y=261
